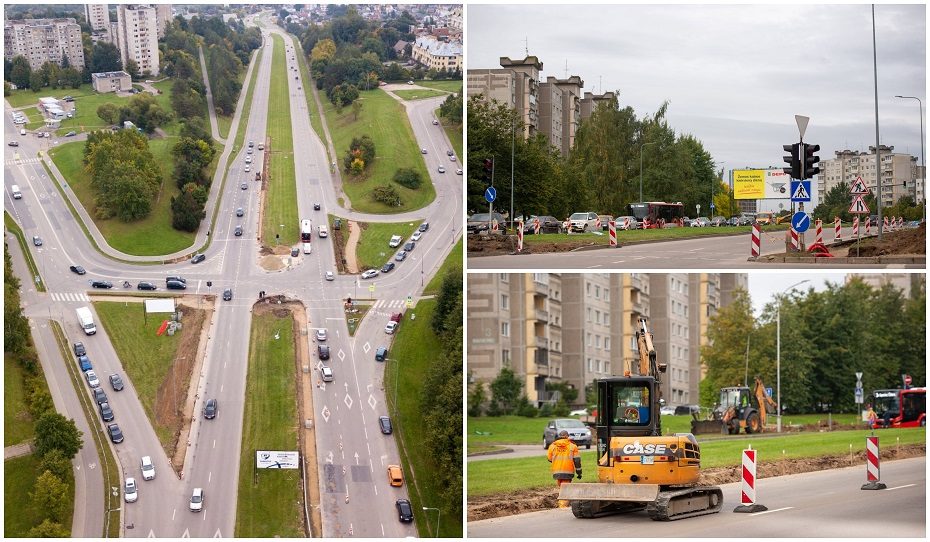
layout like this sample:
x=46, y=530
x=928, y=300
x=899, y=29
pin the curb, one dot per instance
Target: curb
x=492, y=452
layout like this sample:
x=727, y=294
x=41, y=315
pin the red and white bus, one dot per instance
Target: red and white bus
x=658, y=214
x=306, y=234
x=900, y=407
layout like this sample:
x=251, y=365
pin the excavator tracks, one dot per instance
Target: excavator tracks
x=685, y=503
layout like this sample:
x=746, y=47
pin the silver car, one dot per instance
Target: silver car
x=578, y=432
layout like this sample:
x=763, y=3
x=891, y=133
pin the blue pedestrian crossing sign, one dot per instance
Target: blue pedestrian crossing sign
x=800, y=190
x=490, y=194
x=800, y=221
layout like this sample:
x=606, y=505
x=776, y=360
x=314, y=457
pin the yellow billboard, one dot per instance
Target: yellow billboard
x=748, y=184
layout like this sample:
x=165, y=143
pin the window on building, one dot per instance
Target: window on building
x=505, y=302
x=597, y=364
x=588, y=342
x=597, y=292
x=505, y=358
x=606, y=294
x=607, y=367
x=587, y=288
x=505, y=329
x=589, y=314
x=597, y=317
x=597, y=341
x=590, y=365
x=505, y=277
x=606, y=343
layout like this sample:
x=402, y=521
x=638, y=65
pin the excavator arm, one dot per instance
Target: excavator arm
x=765, y=402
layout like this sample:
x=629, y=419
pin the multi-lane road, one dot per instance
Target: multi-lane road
x=355, y=495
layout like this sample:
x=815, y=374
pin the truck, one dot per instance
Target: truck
x=86, y=320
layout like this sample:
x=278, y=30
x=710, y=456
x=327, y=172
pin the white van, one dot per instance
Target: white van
x=307, y=248
x=16, y=193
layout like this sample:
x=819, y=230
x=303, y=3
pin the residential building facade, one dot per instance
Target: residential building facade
x=44, y=40
x=515, y=85
x=898, y=173
x=137, y=36
x=436, y=54
x=111, y=81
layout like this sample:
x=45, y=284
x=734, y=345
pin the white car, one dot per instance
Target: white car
x=248, y=159
x=92, y=380
x=416, y=236
x=327, y=374
x=583, y=222
x=330, y=276
x=395, y=242
x=391, y=327
x=321, y=334
x=197, y=500
x=130, y=493
x=370, y=274
x=442, y=169
x=148, y=469
x=322, y=230
x=248, y=168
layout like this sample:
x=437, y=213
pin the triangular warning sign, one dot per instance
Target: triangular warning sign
x=858, y=187
x=800, y=193
x=858, y=205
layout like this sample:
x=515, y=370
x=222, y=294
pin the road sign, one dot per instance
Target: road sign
x=858, y=377
x=800, y=221
x=802, y=124
x=858, y=205
x=490, y=194
x=371, y=288
x=859, y=395
x=858, y=187
x=800, y=190
x=907, y=380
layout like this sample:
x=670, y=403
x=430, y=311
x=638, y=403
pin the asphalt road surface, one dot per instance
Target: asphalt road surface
x=352, y=452
x=825, y=504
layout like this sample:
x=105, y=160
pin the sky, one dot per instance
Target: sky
x=763, y=286
x=735, y=76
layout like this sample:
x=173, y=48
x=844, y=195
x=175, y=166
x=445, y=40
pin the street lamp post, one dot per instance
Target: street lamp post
x=438, y=515
x=641, y=167
x=778, y=353
x=922, y=166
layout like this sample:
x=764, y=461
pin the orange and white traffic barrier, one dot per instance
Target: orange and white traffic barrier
x=597, y=223
x=868, y=225
x=819, y=237
x=900, y=222
x=837, y=227
x=795, y=242
x=626, y=223
x=536, y=226
x=612, y=230
x=747, y=499
x=872, y=460
x=885, y=227
x=856, y=227
x=755, y=240
x=519, y=236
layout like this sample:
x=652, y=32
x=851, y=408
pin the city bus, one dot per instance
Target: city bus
x=306, y=234
x=656, y=214
x=900, y=407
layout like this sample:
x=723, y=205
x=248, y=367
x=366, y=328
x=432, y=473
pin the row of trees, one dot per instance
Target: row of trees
x=837, y=200
x=228, y=48
x=508, y=397
x=57, y=439
x=143, y=110
x=602, y=171
x=826, y=337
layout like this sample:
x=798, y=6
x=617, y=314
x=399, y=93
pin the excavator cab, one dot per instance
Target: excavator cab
x=627, y=407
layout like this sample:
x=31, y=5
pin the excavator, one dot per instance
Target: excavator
x=738, y=408
x=637, y=466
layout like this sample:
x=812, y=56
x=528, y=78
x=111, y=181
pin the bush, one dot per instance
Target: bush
x=561, y=408
x=525, y=409
x=408, y=178
x=387, y=195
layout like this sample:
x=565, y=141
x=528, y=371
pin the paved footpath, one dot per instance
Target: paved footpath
x=17, y=450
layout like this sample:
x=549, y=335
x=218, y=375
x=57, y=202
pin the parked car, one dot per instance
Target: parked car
x=381, y=353
x=390, y=328
x=371, y=273
x=605, y=221
x=115, y=434
x=478, y=222
x=416, y=236
x=116, y=382
x=404, y=510
x=197, y=499
x=582, y=222
x=409, y=245
x=627, y=222
x=100, y=396
x=321, y=334
x=388, y=267
x=79, y=349
x=326, y=373
x=146, y=286
x=700, y=222
x=148, y=468
x=685, y=410
x=547, y=224
x=395, y=241
x=329, y=276
x=400, y=256
x=72, y=133
x=667, y=410
x=92, y=379
x=578, y=432
x=130, y=493
x=718, y=221
x=423, y=227
x=210, y=409
x=395, y=475
x=106, y=413
x=458, y=171
x=423, y=150
x=734, y=221
x=385, y=423
x=323, y=351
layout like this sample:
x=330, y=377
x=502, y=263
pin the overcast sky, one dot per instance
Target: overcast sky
x=735, y=76
x=763, y=287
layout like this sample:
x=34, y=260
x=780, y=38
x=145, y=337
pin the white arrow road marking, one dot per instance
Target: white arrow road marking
x=368, y=388
x=218, y=534
x=186, y=534
x=356, y=458
x=151, y=534
x=383, y=459
x=329, y=457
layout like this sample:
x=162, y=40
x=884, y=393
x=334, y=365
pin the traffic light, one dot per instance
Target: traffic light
x=489, y=170
x=794, y=160
x=810, y=161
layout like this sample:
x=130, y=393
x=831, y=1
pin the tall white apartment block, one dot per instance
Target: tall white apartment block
x=137, y=36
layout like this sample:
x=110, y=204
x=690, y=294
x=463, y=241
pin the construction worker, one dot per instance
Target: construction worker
x=566, y=461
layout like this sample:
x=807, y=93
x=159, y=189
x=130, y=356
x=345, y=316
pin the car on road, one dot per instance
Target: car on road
x=700, y=222
x=416, y=236
x=13, y=143
x=370, y=274
x=329, y=276
x=252, y=144
x=450, y=153
x=452, y=158
x=197, y=500
x=401, y=256
x=72, y=133
x=238, y=231
x=326, y=373
x=395, y=475
x=101, y=284
x=381, y=353
x=79, y=349
x=22, y=131
x=458, y=171
x=248, y=168
x=321, y=334
x=116, y=382
x=316, y=206
x=390, y=328
x=116, y=435
x=384, y=422
x=148, y=468
x=84, y=363
x=322, y=230
x=130, y=492
x=395, y=241
x=106, y=413
x=175, y=285
x=261, y=146
x=100, y=396
x=199, y=257
x=578, y=432
x=409, y=246
x=244, y=186
x=249, y=150
x=435, y=122
x=36, y=240
x=248, y=159
x=404, y=510
x=388, y=267
x=423, y=227
x=323, y=351
x=227, y=294
x=146, y=286
x=92, y=379
x=295, y=252
x=441, y=168
x=423, y=151
x=210, y=409
x=239, y=211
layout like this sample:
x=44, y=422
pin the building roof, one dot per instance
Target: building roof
x=439, y=48
x=108, y=75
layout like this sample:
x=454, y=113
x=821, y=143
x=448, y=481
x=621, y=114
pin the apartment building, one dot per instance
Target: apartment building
x=560, y=111
x=44, y=40
x=137, y=36
x=162, y=18
x=898, y=173
x=436, y=54
x=908, y=283
x=590, y=101
x=589, y=330
x=111, y=81
x=515, y=85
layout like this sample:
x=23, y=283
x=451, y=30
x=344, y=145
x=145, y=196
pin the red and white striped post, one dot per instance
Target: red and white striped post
x=855, y=227
x=868, y=225
x=597, y=224
x=900, y=222
x=819, y=239
x=794, y=240
x=872, y=459
x=748, y=491
x=536, y=226
x=885, y=228
x=755, y=241
x=519, y=236
x=612, y=230
x=626, y=223
x=837, y=227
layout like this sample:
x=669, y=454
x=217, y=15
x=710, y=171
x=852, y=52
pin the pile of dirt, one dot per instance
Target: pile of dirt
x=903, y=242
x=493, y=245
x=520, y=502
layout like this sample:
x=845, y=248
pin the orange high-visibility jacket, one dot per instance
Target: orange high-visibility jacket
x=565, y=459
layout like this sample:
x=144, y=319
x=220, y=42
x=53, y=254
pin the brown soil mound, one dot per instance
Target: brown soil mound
x=531, y=500
x=911, y=241
x=492, y=245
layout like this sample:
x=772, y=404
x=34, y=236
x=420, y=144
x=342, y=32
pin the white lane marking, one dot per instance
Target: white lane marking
x=900, y=487
x=770, y=511
x=209, y=476
x=174, y=514
x=382, y=530
x=214, y=443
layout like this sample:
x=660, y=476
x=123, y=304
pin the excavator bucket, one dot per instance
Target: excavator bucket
x=643, y=493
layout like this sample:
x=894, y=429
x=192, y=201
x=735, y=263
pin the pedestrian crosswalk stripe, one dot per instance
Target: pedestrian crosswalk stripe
x=70, y=296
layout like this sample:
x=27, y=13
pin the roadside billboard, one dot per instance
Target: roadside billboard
x=761, y=184
x=266, y=459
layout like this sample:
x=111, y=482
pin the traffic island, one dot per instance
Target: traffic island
x=898, y=247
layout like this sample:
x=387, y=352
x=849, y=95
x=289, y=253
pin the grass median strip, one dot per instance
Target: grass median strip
x=373, y=251
x=269, y=499
x=17, y=232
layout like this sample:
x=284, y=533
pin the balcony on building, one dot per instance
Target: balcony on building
x=540, y=342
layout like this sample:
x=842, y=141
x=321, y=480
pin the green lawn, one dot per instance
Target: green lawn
x=20, y=98
x=452, y=85
x=281, y=200
x=34, y=120
x=269, y=499
x=456, y=139
x=18, y=425
x=384, y=120
x=14, y=228
x=373, y=251
x=19, y=478
x=453, y=260
x=419, y=94
x=505, y=475
x=646, y=235
x=415, y=348
x=145, y=356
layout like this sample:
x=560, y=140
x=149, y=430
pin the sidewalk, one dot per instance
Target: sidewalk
x=18, y=450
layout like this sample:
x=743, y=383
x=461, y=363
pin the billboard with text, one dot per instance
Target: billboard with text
x=761, y=184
